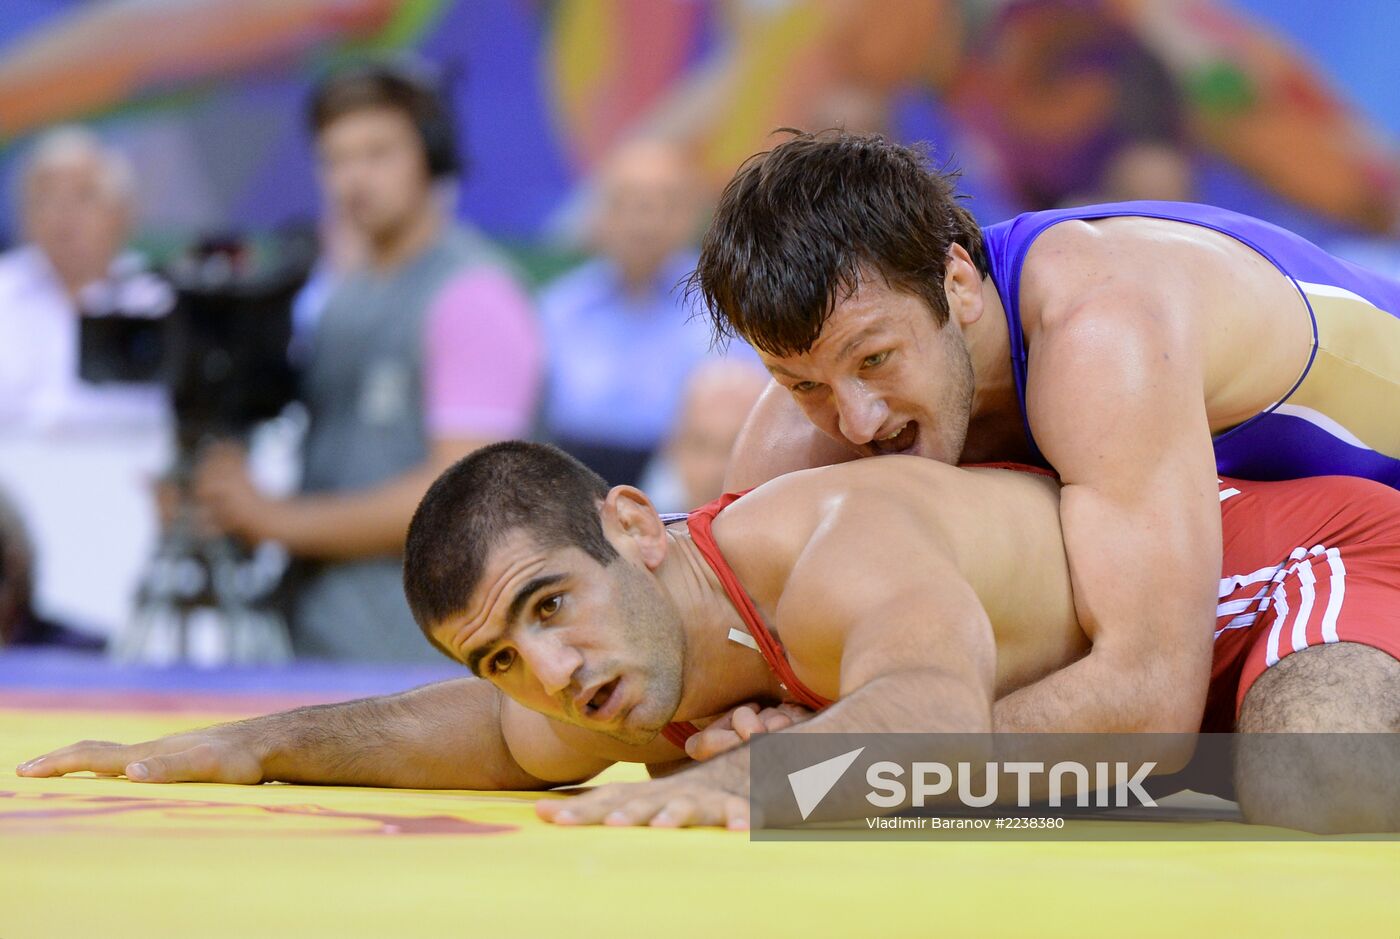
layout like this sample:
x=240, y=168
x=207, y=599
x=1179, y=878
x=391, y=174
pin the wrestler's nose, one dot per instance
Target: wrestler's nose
x=860, y=412
x=552, y=661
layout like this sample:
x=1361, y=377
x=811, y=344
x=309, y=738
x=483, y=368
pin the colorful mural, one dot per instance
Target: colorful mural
x=1041, y=101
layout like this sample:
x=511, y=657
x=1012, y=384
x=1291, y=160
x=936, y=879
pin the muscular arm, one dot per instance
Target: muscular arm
x=331, y=526
x=1116, y=402
x=365, y=522
x=444, y=736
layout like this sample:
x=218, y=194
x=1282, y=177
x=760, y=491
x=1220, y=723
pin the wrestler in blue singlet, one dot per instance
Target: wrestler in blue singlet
x=1342, y=416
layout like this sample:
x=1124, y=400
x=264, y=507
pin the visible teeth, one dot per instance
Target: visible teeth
x=896, y=433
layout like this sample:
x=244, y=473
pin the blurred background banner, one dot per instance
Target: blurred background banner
x=1234, y=103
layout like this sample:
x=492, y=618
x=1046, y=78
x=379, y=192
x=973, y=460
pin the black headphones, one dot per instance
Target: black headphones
x=411, y=86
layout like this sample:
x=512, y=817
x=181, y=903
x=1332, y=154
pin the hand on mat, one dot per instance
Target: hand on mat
x=226, y=492
x=219, y=754
x=735, y=728
x=678, y=801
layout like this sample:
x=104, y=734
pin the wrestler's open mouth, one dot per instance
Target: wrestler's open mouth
x=899, y=441
x=597, y=706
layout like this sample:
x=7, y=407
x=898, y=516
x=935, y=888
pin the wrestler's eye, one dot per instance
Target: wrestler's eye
x=501, y=662
x=549, y=606
x=871, y=361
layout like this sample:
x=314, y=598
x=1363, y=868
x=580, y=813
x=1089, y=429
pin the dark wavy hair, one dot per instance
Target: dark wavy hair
x=798, y=225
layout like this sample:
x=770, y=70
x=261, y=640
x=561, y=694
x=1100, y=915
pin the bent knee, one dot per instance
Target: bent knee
x=1324, y=783
x=1343, y=687
x=1317, y=749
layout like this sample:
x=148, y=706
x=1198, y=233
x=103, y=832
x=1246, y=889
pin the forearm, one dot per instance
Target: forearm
x=348, y=525
x=442, y=736
x=339, y=526
x=1101, y=695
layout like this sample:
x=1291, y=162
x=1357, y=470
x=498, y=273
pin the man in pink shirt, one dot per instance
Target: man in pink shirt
x=424, y=352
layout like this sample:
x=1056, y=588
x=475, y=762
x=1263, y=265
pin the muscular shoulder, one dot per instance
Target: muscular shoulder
x=1130, y=264
x=1077, y=267
x=858, y=504
x=799, y=501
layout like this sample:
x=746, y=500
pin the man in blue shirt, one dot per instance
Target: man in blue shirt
x=621, y=343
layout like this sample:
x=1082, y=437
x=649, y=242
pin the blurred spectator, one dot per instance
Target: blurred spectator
x=19, y=624
x=621, y=343
x=77, y=457
x=689, y=471
x=424, y=352
x=76, y=215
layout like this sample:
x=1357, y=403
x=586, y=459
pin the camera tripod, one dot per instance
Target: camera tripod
x=194, y=575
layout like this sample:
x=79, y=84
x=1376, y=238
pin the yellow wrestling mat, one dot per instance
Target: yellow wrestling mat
x=85, y=856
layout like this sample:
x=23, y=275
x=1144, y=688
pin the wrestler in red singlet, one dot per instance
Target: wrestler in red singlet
x=1306, y=562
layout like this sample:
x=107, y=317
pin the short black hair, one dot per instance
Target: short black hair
x=408, y=87
x=797, y=224
x=483, y=497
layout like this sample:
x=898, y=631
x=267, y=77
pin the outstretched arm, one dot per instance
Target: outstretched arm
x=443, y=736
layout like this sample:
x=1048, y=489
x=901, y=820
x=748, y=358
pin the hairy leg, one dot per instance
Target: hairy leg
x=1318, y=780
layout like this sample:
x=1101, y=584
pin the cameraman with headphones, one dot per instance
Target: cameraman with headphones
x=423, y=352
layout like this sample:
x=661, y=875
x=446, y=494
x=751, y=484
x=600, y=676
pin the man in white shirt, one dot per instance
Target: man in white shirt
x=78, y=458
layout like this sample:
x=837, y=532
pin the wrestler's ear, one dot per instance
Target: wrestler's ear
x=633, y=525
x=962, y=285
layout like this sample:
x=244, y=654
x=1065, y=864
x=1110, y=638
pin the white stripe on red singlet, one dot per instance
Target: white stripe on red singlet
x=1247, y=610
x=1298, y=557
x=1338, y=589
x=1274, y=576
x=1280, y=614
x=1235, y=607
x=1229, y=585
x=1307, y=580
x=1307, y=593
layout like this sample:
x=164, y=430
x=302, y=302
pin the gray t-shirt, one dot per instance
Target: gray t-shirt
x=363, y=390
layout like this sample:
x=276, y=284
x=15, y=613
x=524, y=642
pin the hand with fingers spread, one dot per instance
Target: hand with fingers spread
x=681, y=801
x=739, y=725
x=224, y=754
